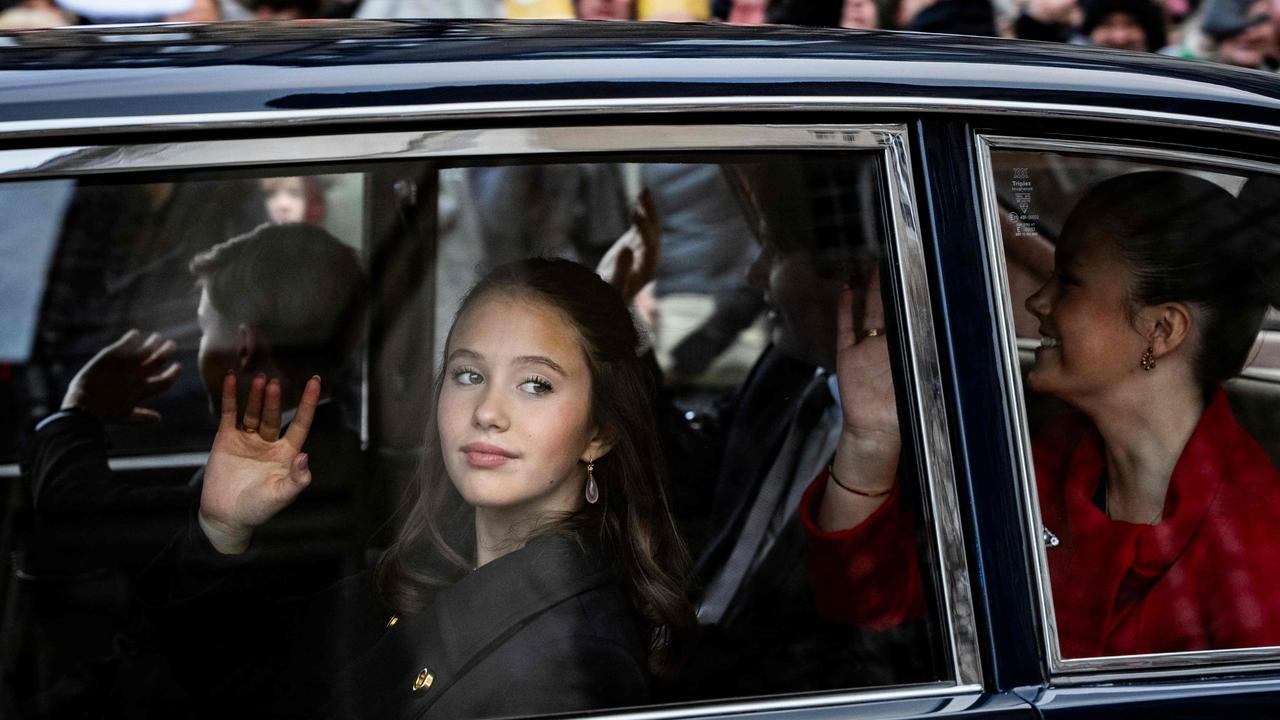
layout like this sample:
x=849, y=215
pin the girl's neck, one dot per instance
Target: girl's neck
x=499, y=533
x=1143, y=438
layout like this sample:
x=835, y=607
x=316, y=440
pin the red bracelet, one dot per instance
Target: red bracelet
x=832, y=474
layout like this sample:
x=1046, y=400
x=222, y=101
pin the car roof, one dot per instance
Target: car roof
x=131, y=77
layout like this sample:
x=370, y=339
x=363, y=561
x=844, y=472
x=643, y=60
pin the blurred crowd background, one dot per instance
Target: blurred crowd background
x=1243, y=33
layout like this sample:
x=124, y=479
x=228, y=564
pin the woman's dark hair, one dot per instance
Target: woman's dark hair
x=1186, y=239
x=631, y=521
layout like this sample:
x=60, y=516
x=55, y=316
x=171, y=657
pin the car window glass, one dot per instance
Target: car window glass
x=1142, y=295
x=101, y=258
x=730, y=581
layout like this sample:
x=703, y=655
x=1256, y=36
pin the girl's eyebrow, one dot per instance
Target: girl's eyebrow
x=540, y=360
x=464, y=353
x=520, y=360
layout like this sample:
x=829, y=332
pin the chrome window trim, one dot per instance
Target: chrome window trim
x=82, y=160
x=923, y=367
x=940, y=691
x=172, y=461
x=926, y=387
x=1066, y=671
x=466, y=111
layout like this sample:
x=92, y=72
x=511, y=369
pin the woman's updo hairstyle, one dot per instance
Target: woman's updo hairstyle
x=1186, y=239
x=631, y=521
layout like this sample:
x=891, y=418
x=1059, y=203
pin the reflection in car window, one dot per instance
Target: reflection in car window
x=1139, y=292
x=657, y=363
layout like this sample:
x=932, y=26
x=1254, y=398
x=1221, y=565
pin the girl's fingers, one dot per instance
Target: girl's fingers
x=228, y=418
x=296, y=435
x=269, y=430
x=253, y=406
x=300, y=471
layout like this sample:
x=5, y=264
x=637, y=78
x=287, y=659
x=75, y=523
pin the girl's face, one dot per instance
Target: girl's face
x=515, y=409
x=1088, y=342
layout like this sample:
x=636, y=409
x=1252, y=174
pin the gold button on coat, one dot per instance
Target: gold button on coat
x=424, y=680
x=394, y=619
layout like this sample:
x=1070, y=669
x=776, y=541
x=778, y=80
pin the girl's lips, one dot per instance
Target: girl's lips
x=486, y=460
x=486, y=456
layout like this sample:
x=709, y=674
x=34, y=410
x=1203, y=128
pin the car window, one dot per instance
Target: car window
x=474, y=411
x=1141, y=293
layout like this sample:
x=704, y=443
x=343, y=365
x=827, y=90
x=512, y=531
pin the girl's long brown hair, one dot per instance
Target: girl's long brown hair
x=631, y=522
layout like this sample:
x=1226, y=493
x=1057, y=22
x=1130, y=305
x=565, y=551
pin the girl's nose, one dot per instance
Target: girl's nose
x=490, y=412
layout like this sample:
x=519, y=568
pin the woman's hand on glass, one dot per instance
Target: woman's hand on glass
x=866, y=457
x=253, y=472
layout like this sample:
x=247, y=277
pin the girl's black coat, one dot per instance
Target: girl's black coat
x=547, y=628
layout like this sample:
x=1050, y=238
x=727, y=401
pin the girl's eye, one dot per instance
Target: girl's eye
x=467, y=376
x=535, y=386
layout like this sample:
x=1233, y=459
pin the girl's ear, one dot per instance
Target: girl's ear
x=602, y=441
x=1169, y=326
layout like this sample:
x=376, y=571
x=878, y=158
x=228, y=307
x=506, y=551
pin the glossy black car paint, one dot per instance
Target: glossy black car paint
x=69, y=86
x=176, y=69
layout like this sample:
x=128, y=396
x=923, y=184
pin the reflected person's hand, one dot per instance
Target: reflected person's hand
x=632, y=261
x=254, y=473
x=114, y=383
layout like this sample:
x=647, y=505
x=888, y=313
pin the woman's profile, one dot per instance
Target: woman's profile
x=1159, y=508
x=538, y=568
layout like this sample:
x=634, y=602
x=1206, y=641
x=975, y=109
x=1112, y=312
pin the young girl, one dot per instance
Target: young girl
x=539, y=569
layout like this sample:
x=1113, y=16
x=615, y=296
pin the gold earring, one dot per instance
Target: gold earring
x=1148, y=362
x=593, y=492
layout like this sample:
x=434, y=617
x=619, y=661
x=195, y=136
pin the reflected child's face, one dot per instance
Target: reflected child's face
x=286, y=199
x=514, y=412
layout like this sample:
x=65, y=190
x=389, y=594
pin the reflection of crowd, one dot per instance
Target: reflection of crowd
x=1236, y=32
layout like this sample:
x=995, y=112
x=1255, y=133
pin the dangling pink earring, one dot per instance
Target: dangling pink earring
x=593, y=491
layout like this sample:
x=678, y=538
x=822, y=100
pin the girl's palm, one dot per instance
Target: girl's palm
x=254, y=473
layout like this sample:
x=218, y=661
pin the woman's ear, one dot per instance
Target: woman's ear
x=1168, y=326
x=602, y=441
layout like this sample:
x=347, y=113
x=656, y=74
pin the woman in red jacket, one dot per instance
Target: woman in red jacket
x=1164, y=509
